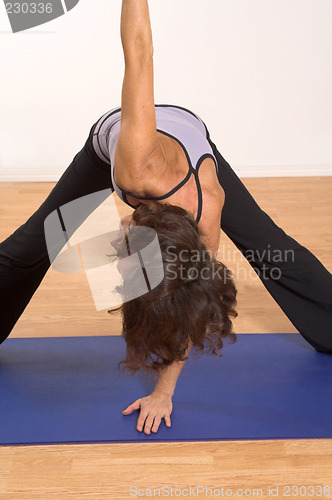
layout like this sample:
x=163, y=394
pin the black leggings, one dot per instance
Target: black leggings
x=300, y=284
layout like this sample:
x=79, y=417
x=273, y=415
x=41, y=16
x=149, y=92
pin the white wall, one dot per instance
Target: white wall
x=257, y=71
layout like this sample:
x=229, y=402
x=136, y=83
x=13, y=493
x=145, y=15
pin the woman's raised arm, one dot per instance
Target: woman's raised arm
x=137, y=139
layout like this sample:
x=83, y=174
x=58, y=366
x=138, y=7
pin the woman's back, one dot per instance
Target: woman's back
x=185, y=174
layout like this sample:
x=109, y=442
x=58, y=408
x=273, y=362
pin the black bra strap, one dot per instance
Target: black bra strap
x=200, y=198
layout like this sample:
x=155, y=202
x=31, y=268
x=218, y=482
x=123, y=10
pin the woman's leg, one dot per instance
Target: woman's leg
x=24, y=259
x=295, y=278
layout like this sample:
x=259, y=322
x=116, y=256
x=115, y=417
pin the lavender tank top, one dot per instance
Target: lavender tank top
x=178, y=123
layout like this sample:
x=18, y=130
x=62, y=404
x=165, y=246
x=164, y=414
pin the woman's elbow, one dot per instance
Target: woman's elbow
x=139, y=50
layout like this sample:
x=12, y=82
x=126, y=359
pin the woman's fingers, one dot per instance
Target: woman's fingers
x=141, y=420
x=134, y=406
x=156, y=423
x=149, y=423
x=153, y=409
x=167, y=419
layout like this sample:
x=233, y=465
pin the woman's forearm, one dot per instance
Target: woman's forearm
x=136, y=34
x=168, y=378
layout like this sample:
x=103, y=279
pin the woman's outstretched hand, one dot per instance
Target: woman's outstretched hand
x=154, y=408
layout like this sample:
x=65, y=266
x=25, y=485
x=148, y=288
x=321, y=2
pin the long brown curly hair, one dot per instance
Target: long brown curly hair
x=193, y=304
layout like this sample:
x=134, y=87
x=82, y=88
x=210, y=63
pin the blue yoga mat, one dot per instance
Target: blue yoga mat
x=68, y=390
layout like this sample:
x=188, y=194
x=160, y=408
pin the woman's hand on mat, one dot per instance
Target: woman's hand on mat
x=154, y=408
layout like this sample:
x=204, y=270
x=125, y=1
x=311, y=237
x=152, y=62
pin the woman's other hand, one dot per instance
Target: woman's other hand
x=153, y=409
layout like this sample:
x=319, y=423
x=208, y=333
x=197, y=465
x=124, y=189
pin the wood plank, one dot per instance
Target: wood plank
x=109, y=471
x=303, y=208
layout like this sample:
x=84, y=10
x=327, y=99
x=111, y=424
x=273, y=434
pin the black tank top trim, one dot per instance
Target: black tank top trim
x=183, y=182
x=177, y=107
x=191, y=171
x=172, y=191
x=198, y=184
x=164, y=196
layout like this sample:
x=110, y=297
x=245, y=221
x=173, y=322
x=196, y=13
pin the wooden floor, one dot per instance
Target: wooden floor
x=303, y=208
